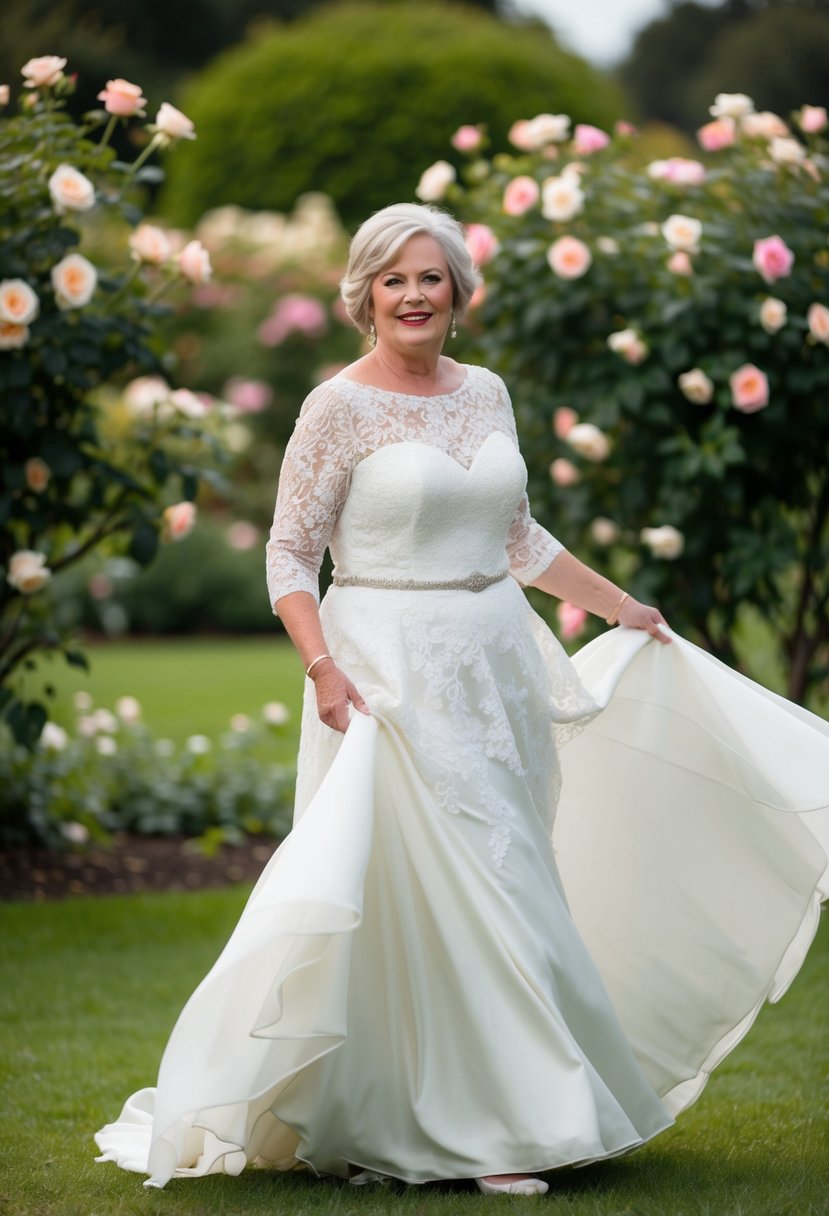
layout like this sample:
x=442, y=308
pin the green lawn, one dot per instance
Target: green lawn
x=89, y=990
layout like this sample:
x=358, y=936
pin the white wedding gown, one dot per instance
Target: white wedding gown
x=406, y=989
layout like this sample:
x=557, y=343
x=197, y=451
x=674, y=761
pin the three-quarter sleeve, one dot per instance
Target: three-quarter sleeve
x=313, y=484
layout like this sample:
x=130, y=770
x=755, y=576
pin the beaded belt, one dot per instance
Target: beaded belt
x=472, y=582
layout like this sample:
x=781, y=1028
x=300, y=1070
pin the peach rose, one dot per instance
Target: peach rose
x=696, y=386
x=194, y=262
x=43, y=71
x=679, y=170
x=628, y=344
x=731, y=105
x=27, y=571
x=4, y=94
x=519, y=135
x=13, y=337
x=467, y=138
x=122, y=98
x=74, y=280
x=478, y=297
x=749, y=388
x=569, y=257
x=481, y=243
x=521, y=194
x=818, y=320
x=564, y=419
x=18, y=303
x=150, y=244
x=772, y=258
x=561, y=197
x=716, y=135
x=812, y=119
x=589, y=441
x=547, y=129
x=604, y=531
x=435, y=181
x=70, y=190
x=564, y=473
x=772, y=314
x=37, y=473
x=172, y=124
x=682, y=232
x=680, y=263
x=178, y=520
x=666, y=542
x=764, y=125
x=571, y=620
x=587, y=139
x=784, y=150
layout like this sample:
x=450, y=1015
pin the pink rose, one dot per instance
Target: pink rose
x=467, y=138
x=587, y=139
x=564, y=473
x=248, y=396
x=680, y=263
x=679, y=170
x=571, y=620
x=294, y=313
x=122, y=98
x=242, y=535
x=481, y=243
x=564, y=419
x=772, y=258
x=818, y=321
x=749, y=388
x=718, y=134
x=194, y=262
x=43, y=71
x=812, y=119
x=521, y=194
x=569, y=257
x=178, y=520
x=519, y=135
x=624, y=128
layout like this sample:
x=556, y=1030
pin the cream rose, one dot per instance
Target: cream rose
x=812, y=119
x=13, y=337
x=764, y=125
x=604, y=531
x=569, y=258
x=786, y=151
x=70, y=190
x=122, y=98
x=521, y=194
x=37, y=473
x=628, y=344
x=194, y=262
x=547, y=129
x=731, y=105
x=53, y=737
x=435, y=181
x=188, y=403
x=696, y=386
x=772, y=314
x=588, y=441
x=128, y=710
x=561, y=197
x=150, y=244
x=665, y=542
x=172, y=124
x=818, y=321
x=178, y=520
x=27, y=571
x=4, y=94
x=19, y=304
x=275, y=713
x=682, y=232
x=43, y=71
x=608, y=245
x=749, y=388
x=144, y=393
x=74, y=280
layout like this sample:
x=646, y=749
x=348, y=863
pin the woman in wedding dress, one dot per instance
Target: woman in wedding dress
x=431, y=979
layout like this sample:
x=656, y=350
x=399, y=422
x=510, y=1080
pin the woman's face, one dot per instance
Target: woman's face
x=411, y=300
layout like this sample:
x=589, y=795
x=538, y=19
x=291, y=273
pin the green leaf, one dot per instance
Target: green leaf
x=76, y=658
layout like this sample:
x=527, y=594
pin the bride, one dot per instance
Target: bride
x=431, y=980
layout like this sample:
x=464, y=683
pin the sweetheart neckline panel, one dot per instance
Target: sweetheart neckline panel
x=419, y=443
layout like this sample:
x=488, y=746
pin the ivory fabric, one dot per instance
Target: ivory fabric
x=437, y=975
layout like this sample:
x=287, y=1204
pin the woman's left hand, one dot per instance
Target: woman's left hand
x=634, y=615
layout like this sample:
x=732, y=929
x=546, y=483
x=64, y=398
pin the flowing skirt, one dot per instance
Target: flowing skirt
x=432, y=979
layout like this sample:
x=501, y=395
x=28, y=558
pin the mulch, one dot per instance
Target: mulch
x=128, y=864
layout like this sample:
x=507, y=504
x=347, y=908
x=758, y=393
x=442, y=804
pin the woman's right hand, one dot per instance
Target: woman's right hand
x=334, y=694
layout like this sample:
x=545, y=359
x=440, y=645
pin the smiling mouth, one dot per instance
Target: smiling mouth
x=415, y=318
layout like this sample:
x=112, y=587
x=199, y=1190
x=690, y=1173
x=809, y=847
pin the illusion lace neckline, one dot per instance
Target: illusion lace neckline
x=393, y=392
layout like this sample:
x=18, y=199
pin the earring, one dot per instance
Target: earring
x=372, y=334
x=453, y=329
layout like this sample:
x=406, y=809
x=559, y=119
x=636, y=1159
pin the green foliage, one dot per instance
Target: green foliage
x=355, y=99
x=69, y=480
x=747, y=493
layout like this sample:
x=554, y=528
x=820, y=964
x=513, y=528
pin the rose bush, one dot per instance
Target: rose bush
x=678, y=311
x=72, y=478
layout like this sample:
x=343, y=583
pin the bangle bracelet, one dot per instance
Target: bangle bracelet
x=314, y=662
x=614, y=616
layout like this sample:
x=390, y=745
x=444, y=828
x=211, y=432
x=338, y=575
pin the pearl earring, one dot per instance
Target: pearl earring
x=453, y=329
x=372, y=335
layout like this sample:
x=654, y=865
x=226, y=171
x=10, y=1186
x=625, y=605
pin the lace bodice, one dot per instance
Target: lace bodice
x=342, y=423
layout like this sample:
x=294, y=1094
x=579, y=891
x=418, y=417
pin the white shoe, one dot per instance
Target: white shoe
x=522, y=1186
x=366, y=1176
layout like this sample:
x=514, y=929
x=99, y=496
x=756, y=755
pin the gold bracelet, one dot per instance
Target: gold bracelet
x=314, y=662
x=614, y=616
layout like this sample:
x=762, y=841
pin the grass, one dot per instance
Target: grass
x=89, y=990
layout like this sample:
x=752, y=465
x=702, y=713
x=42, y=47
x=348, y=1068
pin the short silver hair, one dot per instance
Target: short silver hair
x=377, y=242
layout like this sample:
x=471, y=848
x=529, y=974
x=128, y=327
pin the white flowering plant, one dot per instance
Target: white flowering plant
x=664, y=330
x=80, y=285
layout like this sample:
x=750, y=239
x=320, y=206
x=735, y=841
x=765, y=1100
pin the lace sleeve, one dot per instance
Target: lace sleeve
x=530, y=548
x=313, y=484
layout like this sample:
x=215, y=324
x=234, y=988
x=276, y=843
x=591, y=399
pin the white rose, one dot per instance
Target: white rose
x=150, y=244
x=82, y=700
x=70, y=190
x=764, y=125
x=105, y=721
x=74, y=280
x=786, y=151
x=75, y=833
x=19, y=304
x=588, y=441
x=561, y=197
x=682, y=232
x=240, y=723
x=608, y=245
x=275, y=713
x=128, y=710
x=194, y=262
x=604, y=531
x=172, y=124
x=43, y=71
x=547, y=129
x=105, y=745
x=53, y=737
x=27, y=571
x=666, y=542
x=189, y=404
x=145, y=392
x=696, y=386
x=772, y=314
x=435, y=181
x=731, y=105
x=198, y=744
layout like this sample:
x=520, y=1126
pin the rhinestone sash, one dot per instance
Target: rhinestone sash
x=472, y=582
